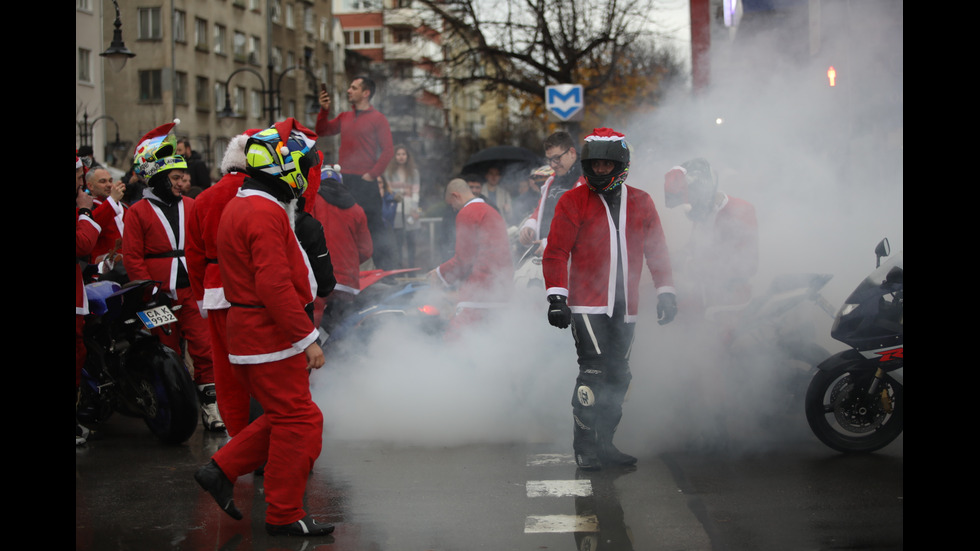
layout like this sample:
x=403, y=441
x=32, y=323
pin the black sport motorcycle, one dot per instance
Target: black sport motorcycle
x=128, y=370
x=855, y=402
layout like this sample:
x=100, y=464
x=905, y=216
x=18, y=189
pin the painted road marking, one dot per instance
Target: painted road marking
x=539, y=524
x=548, y=459
x=559, y=488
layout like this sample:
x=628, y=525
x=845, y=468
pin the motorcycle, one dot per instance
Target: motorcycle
x=384, y=296
x=128, y=370
x=855, y=401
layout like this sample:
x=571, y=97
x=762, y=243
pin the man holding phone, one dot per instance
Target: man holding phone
x=366, y=148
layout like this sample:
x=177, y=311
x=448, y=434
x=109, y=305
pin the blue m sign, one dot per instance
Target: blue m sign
x=564, y=100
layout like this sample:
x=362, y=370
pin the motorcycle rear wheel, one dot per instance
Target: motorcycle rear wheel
x=165, y=393
x=844, y=417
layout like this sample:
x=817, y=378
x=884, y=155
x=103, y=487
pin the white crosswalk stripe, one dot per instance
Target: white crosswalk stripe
x=538, y=524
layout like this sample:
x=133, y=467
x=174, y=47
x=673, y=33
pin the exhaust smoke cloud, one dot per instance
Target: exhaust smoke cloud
x=823, y=167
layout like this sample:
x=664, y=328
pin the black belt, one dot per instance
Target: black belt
x=211, y=260
x=169, y=254
x=247, y=305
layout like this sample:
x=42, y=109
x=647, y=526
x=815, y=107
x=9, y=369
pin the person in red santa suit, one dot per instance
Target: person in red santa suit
x=723, y=254
x=272, y=343
x=86, y=235
x=481, y=268
x=202, y=266
x=600, y=235
x=109, y=212
x=153, y=248
x=346, y=229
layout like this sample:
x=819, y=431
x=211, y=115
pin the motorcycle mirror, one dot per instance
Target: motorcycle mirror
x=883, y=249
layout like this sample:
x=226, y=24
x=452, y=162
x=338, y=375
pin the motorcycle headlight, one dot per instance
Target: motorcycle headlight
x=846, y=309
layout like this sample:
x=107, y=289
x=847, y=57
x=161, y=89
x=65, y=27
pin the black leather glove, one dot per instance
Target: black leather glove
x=559, y=314
x=666, y=308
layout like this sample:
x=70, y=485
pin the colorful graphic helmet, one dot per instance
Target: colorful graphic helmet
x=156, y=152
x=285, y=151
x=331, y=172
x=609, y=145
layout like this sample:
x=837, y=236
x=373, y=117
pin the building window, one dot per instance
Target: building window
x=180, y=87
x=84, y=65
x=85, y=5
x=201, y=34
x=290, y=17
x=202, y=92
x=238, y=101
x=255, y=5
x=363, y=38
x=219, y=95
x=151, y=85
x=220, y=39
x=256, y=104
x=276, y=12
x=180, y=26
x=149, y=24
x=239, y=45
x=290, y=59
x=277, y=59
x=255, y=50
x=309, y=24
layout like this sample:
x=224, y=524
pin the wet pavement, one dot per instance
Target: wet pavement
x=133, y=493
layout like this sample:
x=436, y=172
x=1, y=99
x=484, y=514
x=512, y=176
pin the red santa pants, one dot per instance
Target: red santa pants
x=233, y=399
x=286, y=438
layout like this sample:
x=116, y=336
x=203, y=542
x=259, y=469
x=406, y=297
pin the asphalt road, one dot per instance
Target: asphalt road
x=132, y=493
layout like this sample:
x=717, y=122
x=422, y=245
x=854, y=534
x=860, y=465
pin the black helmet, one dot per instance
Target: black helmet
x=609, y=145
x=702, y=184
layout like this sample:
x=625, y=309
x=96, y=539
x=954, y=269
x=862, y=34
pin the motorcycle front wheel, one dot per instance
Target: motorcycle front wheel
x=165, y=393
x=845, y=417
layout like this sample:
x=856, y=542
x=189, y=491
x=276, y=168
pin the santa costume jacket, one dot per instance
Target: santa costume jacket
x=109, y=214
x=151, y=248
x=482, y=265
x=202, y=240
x=580, y=261
x=86, y=235
x=267, y=279
x=346, y=229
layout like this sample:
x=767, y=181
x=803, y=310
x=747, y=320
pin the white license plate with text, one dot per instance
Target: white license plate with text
x=155, y=317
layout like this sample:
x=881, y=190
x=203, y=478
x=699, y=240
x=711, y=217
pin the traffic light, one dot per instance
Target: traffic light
x=832, y=76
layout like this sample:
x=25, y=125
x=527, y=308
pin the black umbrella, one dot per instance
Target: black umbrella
x=501, y=156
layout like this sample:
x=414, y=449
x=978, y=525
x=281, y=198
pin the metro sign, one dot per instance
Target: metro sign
x=564, y=100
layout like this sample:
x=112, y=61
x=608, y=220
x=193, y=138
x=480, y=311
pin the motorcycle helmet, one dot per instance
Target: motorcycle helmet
x=702, y=184
x=284, y=152
x=609, y=145
x=156, y=152
x=331, y=172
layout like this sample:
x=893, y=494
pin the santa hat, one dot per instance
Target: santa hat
x=605, y=135
x=675, y=187
x=156, y=151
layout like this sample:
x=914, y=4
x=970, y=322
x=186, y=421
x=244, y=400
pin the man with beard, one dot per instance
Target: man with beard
x=153, y=248
x=563, y=158
x=592, y=266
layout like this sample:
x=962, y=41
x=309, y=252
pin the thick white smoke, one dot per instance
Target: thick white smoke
x=823, y=167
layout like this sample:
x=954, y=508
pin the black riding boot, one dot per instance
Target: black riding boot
x=585, y=446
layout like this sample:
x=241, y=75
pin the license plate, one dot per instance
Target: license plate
x=155, y=317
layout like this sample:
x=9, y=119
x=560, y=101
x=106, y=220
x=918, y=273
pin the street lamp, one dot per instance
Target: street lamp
x=117, y=53
x=271, y=97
